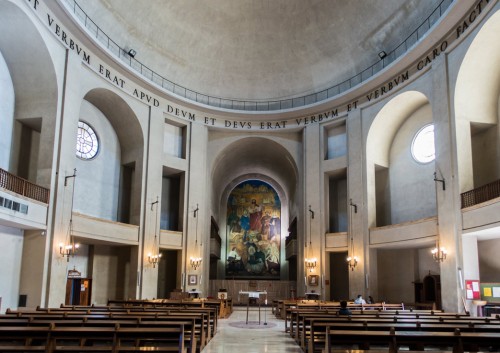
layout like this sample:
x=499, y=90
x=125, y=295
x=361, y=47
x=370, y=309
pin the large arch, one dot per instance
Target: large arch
x=476, y=105
x=252, y=155
x=384, y=136
x=131, y=141
x=36, y=93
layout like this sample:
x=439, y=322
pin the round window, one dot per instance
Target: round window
x=422, y=147
x=87, y=143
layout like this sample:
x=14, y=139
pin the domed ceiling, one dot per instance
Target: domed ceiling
x=258, y=49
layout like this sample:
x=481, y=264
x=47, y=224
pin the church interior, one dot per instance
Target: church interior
x=252, y=154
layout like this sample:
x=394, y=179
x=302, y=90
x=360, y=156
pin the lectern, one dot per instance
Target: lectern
x=253, y=295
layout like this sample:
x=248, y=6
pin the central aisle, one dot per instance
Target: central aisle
x=234, y=336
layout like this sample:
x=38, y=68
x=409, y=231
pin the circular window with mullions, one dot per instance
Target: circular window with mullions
x=87, y=142
x=422, y=147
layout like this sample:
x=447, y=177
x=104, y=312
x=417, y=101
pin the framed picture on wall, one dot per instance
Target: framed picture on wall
x=313, y=280
x=192, y=280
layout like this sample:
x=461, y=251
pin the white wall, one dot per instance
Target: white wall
x=489, y=261
x=412, y=184
x=173, y=141
x=98, y=179
x=11, y=243
x=111, y=273
x=336, y=142
x=6, y=114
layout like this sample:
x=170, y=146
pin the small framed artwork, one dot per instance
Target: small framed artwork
x=313, y=280
x=192, y=280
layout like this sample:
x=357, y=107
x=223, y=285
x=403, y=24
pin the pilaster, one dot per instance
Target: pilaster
x=447, y=192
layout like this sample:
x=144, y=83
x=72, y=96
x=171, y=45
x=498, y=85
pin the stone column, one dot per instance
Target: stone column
x=448, y=205
x=312, y=228
x=151, y=202
x=197, y=230
x=63, y=164
x=356, y=173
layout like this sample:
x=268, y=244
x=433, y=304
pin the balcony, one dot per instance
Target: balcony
x=481, y=194
x=23, y=187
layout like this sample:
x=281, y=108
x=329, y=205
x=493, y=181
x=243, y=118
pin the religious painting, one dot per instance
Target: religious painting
x=192, y=280
x=253, y=231
x=313, y=280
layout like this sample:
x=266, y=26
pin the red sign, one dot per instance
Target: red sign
x=472, y=289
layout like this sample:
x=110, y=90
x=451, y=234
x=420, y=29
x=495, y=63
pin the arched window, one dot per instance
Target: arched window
x=422, y=147
x=87, y=142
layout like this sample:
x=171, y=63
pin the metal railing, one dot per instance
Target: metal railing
x=480, y=194
x=259, y=105
x=23, y=187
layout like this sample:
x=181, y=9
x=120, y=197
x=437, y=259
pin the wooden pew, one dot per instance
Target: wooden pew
x=91, y=339
x=316, y=337
x=205, y=319
x=457, y=341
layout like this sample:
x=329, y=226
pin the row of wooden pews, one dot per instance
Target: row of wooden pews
x=323, y=329
x=125, y=327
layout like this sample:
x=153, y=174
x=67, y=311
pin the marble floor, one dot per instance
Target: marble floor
x=234, y=336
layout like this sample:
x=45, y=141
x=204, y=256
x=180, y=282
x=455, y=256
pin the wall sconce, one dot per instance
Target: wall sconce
x=195, y=262
x=352, y=260
x=311, y=261
x=68, y=250
x=311, y=264
x=69, y=247
x=155, y=257
x=132, y=53
x=442, y=180
x=382, y=55
x=439, y=253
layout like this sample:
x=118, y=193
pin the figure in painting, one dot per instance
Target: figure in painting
x=265, y=230
x=234, y=261
x=255, y=215
x=245, y=225
x=273, y=259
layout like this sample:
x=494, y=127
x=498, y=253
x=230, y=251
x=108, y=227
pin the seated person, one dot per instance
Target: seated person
x=359, y=300
x=343, y=308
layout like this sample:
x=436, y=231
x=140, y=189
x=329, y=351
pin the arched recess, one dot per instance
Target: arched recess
x=477, y=107
x=123, y=185
x=28, y=110
x=399, y=188
x=28, y=127
x=257, y=158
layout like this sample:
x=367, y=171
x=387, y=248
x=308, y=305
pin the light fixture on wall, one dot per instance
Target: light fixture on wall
x=311, y=261
x=442, y=180
x=69, y=247
x=439, y=253
x=196, y=261
x=132, y=53
x=154, y=257
x=352, y=260
x=382, y=55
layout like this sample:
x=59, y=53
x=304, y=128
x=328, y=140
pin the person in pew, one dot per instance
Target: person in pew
x=359, y=300
x=343, y=308
x=370, y=300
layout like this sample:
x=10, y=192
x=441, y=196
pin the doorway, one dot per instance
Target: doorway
x=167, y=273
x=78, y=291
x=339, y=276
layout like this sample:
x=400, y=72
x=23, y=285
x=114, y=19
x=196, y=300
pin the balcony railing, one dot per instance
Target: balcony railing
x=23, y=187
x=259, y=105
x=481, y=194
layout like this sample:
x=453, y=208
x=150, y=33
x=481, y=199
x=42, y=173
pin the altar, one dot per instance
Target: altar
x=254, y=295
